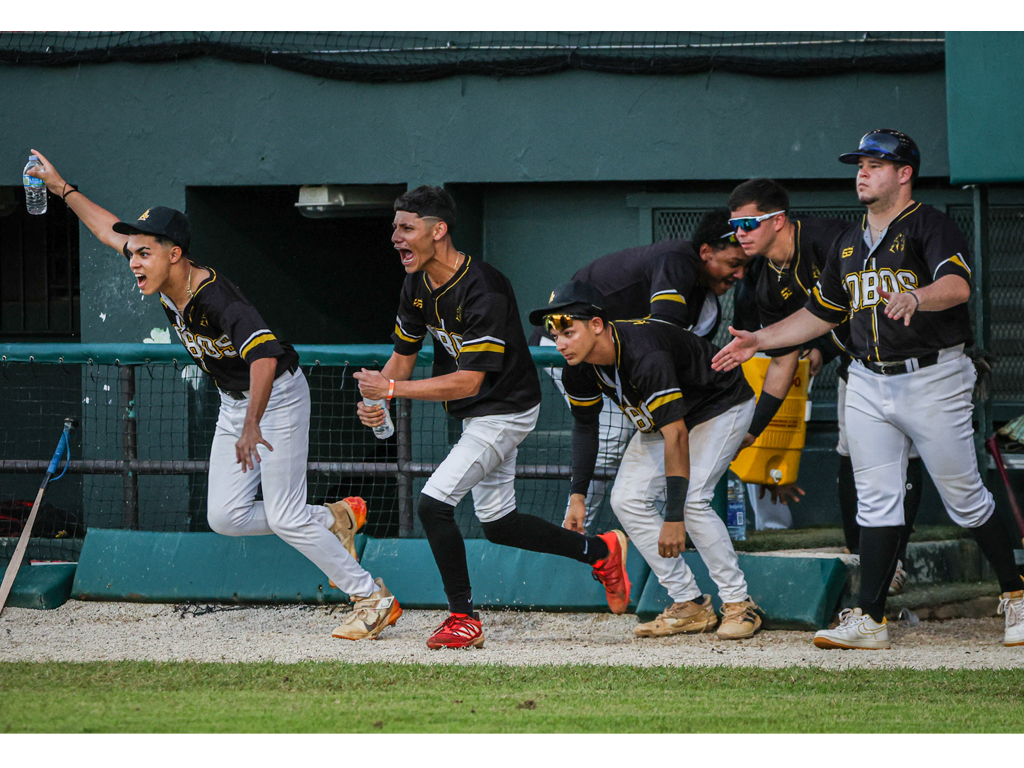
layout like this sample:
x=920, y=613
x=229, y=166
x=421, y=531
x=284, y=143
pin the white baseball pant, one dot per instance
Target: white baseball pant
x=232, y=509
x=638, y=498
x=843, y=445
x=484, y=462
x=932, y=408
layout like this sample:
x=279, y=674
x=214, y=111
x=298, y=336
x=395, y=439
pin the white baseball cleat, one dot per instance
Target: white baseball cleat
x=855, y=630
x=899, y=580
x=1012, y=604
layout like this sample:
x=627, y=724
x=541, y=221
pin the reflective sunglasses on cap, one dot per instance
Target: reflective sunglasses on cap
x=750, y=223
x=730, y=237
x=560, y=322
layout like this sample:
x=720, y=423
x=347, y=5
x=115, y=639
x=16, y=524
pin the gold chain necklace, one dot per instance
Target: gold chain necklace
x=188, y=285
x=792, y=250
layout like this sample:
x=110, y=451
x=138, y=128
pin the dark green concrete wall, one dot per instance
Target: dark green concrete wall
x=986, y=115
x=138, y=135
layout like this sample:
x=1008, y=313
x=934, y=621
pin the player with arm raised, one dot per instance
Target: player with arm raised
x=903, y=278
x=679, y=281
x=485, y=376
x=262, y=434
x=690, y=422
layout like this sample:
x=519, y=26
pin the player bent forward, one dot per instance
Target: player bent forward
x=903, y=279
x=690, y=423
x=484, y=374
x=262, y=433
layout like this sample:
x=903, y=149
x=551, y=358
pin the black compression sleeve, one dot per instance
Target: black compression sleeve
x=675, y=498
x=765, y=410
x=584, y=455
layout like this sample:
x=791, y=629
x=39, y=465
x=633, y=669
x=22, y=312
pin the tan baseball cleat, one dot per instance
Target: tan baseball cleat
x=739, y=620
x=680, y=618
x=370, y=615
x=349, y=517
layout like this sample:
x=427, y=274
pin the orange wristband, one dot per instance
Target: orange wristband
x=391, y=389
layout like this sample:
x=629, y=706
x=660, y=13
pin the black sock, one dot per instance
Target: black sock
x=698, y=600
x=449, y=552
x=878, y=550
x=538, y=535
x=848, y=504
x=995, y=545
x=911, y=501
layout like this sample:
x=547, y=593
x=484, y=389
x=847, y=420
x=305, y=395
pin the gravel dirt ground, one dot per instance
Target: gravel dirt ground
x=84, y=631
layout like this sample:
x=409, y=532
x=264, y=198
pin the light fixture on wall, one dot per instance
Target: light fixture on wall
x=330, y=200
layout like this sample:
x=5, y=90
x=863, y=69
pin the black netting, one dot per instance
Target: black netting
x=140, y=449
x=405, y=56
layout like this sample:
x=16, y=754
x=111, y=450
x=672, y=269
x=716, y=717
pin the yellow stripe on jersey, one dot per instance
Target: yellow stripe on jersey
x=482, y=347
x=668, y=297
x=256, y=342
x=960, y=263
x=584, y=403
x=405, y=337
x=658, y=402
x=825, y=302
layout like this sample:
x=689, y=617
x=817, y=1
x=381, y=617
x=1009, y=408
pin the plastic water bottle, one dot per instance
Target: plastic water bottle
x=736, y=509
x=35, y=189
x=387, y=429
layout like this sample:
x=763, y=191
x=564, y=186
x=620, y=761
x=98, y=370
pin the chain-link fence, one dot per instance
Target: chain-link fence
x=145, y=422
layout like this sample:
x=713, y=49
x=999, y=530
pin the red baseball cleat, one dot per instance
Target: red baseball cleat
x=458, y=631
x=612, y=571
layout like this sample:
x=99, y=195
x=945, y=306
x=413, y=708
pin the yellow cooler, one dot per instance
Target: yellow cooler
x=774, y=458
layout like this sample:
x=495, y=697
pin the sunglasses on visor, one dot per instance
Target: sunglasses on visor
x=750, y=223
x=560, y=322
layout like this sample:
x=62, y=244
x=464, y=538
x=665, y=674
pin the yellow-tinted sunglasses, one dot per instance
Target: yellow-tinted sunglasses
x=559, y=322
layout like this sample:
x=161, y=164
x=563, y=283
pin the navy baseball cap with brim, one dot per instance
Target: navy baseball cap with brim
x=162, y=222
x=572, y=298
x=885, y=144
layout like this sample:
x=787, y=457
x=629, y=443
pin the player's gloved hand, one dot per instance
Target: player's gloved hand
x=815, y=360
x=748, y=440
x=576, y=514
x=672, y=540
x=48, y=174
x=373, y=385
x=245, y=448
x=900, y=306
x=736, y=352
x=370, y=415
x=782, y=494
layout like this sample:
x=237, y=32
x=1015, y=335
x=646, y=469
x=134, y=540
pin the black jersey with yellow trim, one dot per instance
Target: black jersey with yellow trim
x=662, y=374
x=474, y=320
x=660, y=280
x=225, y=334
x=782, y=291
x=919, y=247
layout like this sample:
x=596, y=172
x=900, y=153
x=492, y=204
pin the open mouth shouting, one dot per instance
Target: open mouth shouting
x=140, y=278
x=406, y=256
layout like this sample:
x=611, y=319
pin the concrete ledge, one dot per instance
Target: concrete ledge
x=139, y=566
x=502, y=577
x=794, y=592
x=45, y=586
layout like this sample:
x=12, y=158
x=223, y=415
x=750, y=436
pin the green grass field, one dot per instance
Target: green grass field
x=142, y=697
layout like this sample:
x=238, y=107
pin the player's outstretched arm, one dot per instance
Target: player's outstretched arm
x=799, y=327
x=99, y=220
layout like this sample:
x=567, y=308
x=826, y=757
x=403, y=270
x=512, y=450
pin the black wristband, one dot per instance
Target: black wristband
x=67, y=191
x=767, y=406
x=675, y=498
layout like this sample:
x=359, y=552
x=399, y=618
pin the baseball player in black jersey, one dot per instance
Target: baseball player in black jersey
x=903, y=278
x=678, y=281
x=690, y=422
x=262, y=434
x=485, y=376
x=795, y=249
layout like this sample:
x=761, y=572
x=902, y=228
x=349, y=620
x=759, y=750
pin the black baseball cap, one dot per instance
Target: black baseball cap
x=164, y=222
x=886, y=144
x=572, y=298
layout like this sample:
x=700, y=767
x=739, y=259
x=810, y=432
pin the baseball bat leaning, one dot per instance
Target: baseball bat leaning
x=26, y=532
x=993, y=448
